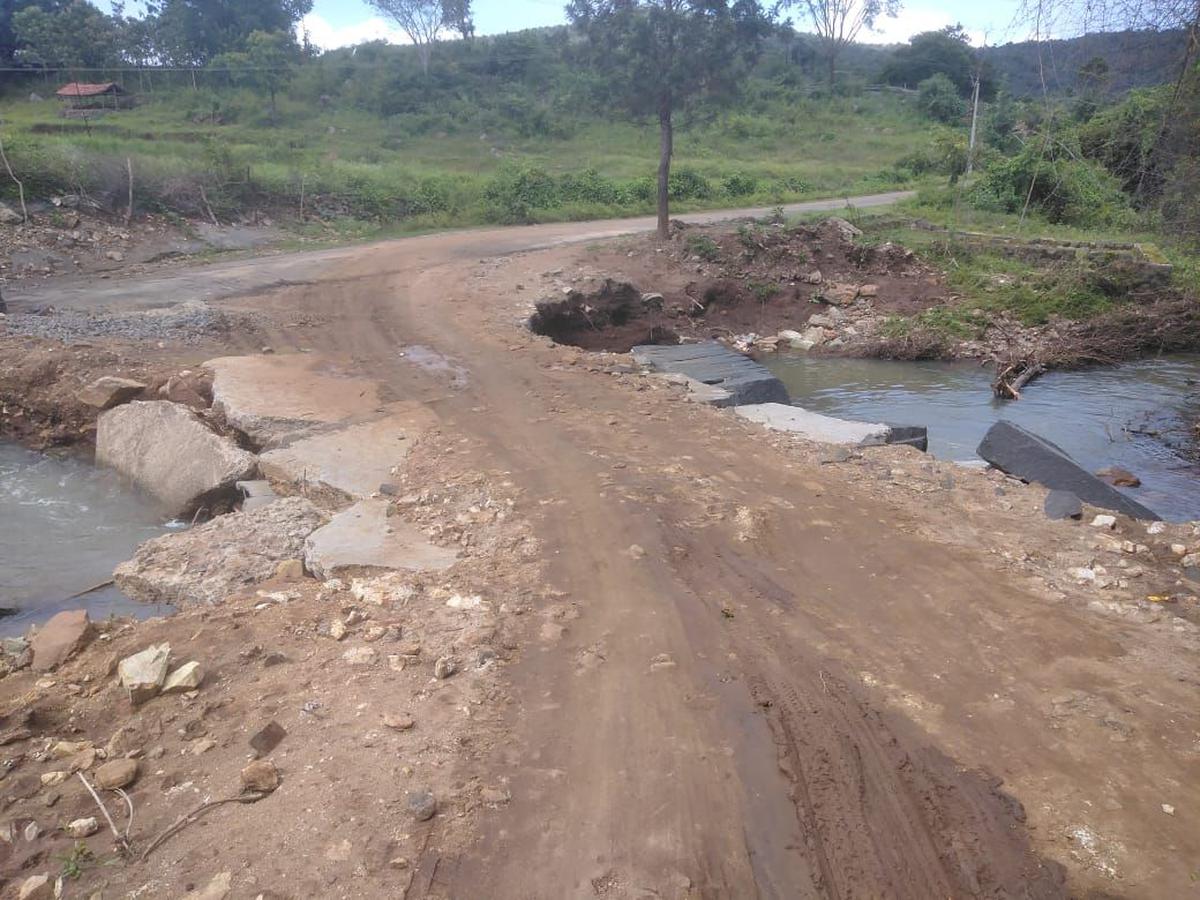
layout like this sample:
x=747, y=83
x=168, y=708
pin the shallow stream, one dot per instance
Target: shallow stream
x=64, y=526
x=1136, y=416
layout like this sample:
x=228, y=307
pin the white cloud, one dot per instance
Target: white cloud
x=913, y=20
x=327, y=36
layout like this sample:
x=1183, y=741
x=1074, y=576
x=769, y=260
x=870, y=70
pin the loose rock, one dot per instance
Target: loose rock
x=118, y=773
x=81, y=828
x=185, y=678
x=109, y=391
x=260, y=776
x=36, y=887
x=64, y=634
x=445, y=667
x=422, y=805
x=1063, y=505
x=398, y=721
x=143, y=673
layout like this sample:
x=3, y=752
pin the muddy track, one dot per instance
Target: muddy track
x=743, y=677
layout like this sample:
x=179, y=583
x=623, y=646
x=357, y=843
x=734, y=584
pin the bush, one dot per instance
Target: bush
x=1064, y=190
x=589, y=186
x=739, y=184
x=516, y=191
x=939, y=99
x=688, y=184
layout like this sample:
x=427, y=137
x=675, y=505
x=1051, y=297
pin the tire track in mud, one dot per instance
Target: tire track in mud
x=881, y=813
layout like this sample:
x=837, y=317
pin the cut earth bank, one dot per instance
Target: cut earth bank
x=673, y=654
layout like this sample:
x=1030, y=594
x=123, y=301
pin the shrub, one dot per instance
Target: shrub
x=939, y=99
x=1062, y=189
x=739, y=184
x=516, y=191
x=703, y=246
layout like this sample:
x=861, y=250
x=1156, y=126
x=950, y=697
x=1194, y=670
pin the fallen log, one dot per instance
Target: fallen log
x=1011, y=378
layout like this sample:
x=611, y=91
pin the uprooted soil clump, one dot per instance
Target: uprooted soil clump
x=743, y=284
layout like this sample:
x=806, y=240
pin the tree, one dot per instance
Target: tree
x=948, y=52
x=661, y=56
x=193, y=32
x=8, y=9
x=421, y=20
x=266, y=64
x=76, y=36
x=940, y=99
x=839, y=22
x=457, y=16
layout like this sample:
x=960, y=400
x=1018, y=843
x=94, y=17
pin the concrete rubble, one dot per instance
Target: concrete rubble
x=210, y=562
x=169, y=452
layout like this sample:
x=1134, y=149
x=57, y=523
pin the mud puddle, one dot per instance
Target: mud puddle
x=1137, y=416
x=66, y=525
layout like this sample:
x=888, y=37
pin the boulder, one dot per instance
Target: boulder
x=365, y=537
x=118, y=773
x=1063, y=505
x=260, y=775
x=192, y=389
x=65, y=633
x=168, y=451
x=210, y=562
x=108, y=391
x=185, y=678
x=36, y=887
x=1022, y=453
x=9, y=216
x=144, y=673
x=837, y=294
x=847, y=230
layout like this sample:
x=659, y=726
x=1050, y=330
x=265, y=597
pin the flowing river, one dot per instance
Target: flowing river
x=1137, y=416
x=64, y=526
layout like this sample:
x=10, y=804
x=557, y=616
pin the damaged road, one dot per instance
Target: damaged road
x=729, y=670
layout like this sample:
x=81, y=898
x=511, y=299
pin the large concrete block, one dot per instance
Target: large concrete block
x=168, y=451
x=814, y=426
x=1022, y=453
x=713, y=363
x=366, y=537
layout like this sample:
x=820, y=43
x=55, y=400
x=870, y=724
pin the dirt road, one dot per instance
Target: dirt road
x=759, y=679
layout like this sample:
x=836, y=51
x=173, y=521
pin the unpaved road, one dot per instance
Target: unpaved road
x=761, y=683
x=233, y=278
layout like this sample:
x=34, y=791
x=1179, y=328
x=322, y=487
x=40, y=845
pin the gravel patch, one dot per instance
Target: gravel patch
x=187, y=323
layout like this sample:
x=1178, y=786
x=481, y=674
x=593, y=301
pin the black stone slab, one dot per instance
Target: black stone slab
x=714, y=363
x=1022, y=453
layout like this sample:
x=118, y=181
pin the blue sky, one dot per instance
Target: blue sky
x=337, y=23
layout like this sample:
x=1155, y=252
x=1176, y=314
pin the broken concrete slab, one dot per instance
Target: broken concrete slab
x=355, y=459
x=365, y=537
x=698, y=392
x=1024, y=454
x=55, y=641
x=168, y=451
x=715, y=364
x=815, y=426
x=210, y=562
x=1062, y=505
x=108, y=391
x=276, y=399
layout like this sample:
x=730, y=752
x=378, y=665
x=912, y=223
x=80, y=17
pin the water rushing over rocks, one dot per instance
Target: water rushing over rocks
x=66, y=525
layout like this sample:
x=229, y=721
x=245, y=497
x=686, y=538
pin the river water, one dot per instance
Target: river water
x=64, y=526
x=1098, y=415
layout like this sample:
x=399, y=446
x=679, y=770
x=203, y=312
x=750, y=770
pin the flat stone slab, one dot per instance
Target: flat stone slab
x=365, y=537
x=1024, y=454
x=276, y=399
x=355, y=459
x=815, y=426
x=712, y=363
x=168, y=451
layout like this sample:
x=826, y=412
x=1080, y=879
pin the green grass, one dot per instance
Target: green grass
x=350, y=164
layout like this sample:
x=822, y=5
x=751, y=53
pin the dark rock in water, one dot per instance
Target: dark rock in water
x=1119, y=477
x=1063, y=505
x=912, y=435
x=1018, y=452
x=715, y=364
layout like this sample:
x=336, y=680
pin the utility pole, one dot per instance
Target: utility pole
x=974, y=122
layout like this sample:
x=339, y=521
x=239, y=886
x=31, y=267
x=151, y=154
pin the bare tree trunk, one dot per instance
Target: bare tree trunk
x=20, y=184
x=666, y=147
x=129, y=209
x=831, y=61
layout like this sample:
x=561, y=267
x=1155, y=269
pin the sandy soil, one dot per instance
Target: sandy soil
x=706, y=662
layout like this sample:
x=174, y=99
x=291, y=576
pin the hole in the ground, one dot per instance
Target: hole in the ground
x=617, y=317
